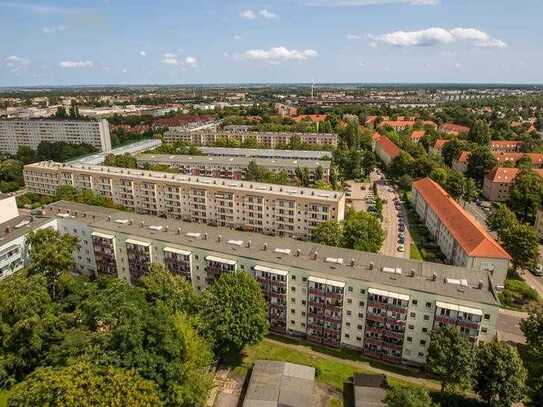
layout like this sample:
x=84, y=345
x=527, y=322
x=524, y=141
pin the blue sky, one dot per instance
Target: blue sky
x=68, y=42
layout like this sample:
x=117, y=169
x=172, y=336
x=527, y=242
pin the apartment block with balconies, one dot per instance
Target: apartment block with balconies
x=267, y=208
x=384, y=307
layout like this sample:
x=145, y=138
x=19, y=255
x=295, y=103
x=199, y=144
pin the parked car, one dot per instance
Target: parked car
x=401, y=234
x=401, y=248
x=401, y=240
x=401, y=228
x=537, y=271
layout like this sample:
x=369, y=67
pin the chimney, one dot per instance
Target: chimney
x=178, y=231
x=352, y=262
x=166, y=228
x=249, y=244
x=265, y=246
x=372, y=265
x=298, y=252
x=131, y=221
x=142, y=223
x=315, y=255
x=412, y=273
x=480, y=286
x=109, y=218
x=434, y=276
x=219, y=238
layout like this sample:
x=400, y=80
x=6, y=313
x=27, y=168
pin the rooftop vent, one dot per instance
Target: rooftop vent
x=335, y=260
x=282, y=251
x=193, y=234
x=158, y=228
x=392, y=270
x=121, y=221
x=235, y=242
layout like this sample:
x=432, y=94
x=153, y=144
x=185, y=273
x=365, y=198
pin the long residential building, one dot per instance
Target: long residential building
x=385, y=148
x=232, y=167
x=267, y=139
x=461, y=163
x=30, y=133
x=266, y=208
x=463, y=241
x=498, y=183
x=384, y=307
x=266, y=153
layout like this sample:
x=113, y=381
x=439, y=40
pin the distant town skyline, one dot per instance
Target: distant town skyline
x=289, y=41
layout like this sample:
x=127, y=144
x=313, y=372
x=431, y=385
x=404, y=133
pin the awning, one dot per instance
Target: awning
x=327, y=282
x=137, y=242
x=458, y=308
x=265, y=269
x=177, y=251
x=103, y=235
x=390, y=294
x=219, y=260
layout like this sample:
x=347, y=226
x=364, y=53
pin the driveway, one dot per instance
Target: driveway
x=508, y=326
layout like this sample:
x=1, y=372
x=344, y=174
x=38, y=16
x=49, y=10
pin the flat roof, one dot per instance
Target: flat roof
x=20, y=226
x=225, y=161
x=194, y=181
x=368, y=267
x=280, y=384
x=265, y=152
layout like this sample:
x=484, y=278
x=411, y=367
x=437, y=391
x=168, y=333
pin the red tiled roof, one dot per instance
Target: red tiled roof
x=454, y=128
x=417, y=135
x=429, y=123
x=177, y=121
x=469, y=234
x=398, y=123
x=440, y=143
x=536, y=158
x=315, y=118
x=391, y=149
x=464, y=155
x=502, y=175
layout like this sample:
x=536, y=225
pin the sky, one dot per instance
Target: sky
x=77, y=42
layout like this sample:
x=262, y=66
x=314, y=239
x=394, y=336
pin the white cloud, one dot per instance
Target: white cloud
x=279, y=54
x=247, y=14
x=254, y=14
x=237, y=37
x=76, y=64
x=173, y=59
x=350, y=3
x=267, y=14
x=35, y=8
x=353, y=37
x=54, y=28
x=437, y=36
x=191, y=62
x=143, y=53
x=15, y=63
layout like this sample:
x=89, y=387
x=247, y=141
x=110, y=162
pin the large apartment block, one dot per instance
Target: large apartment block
x=30, y=133
x=232, y=167
x=266, y=153
x=264, y=208
x=498, y=183
x=384, y=307
x=463, y=241
x=268, y=139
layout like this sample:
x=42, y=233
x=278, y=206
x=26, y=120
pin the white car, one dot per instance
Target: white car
x=538, y=271
x=401, y=248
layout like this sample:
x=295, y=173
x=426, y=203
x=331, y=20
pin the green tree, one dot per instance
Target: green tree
x=319, y=173
x=526, y=196
x=451, y=358
x=404, y=182
x=26, y=155
x=51, y=254
x=174, y=291
x=456, y=184
x=362, y=231
x=451, y=151
x=501, y=219
x=403, y=396
x=479, y=133
x=328, y=233
x=440, y=176
x=525, y=163
x=471, y=191
x=539, y=122
x=532, y=327
x=480, y=162
x=234, y=313
x=401, y=165
x=500, y=376
x=26, y=321
x=84, y=384
x=521, y=242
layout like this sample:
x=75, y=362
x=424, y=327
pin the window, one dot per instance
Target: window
x=484, y=330
x=303, y=302
x=292, y=322
x=421, y=355
x=422, y=342
x=359, y=327
x=349, y=301
x=411, y=326
x=293, y=277
x=347, y=336
x=303, y=313
x=360, y=315
x=412, y=315
x=304, y=279
x=409, y=339
x=414, y=302
x=293, y=300
x=426, y=317
x=362, y=291
x=348, y=324
x=292, y=288
x=292, y=311
x=424, y=330
x=350, y=289
x=487, y=316
x=428, y=305
x=349, y=313
x=361, y=303
x=358, y=338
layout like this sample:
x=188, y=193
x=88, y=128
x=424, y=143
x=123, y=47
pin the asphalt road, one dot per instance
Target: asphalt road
x=390, y=223
x=508, y=326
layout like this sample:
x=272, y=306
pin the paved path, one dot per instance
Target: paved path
x=535, y=282
x=366, y=366
x=390, y=223
x=508, y=325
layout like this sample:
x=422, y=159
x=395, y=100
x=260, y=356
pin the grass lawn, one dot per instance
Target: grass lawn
x=415, y=253
x=518, y=295
x=3, y=398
